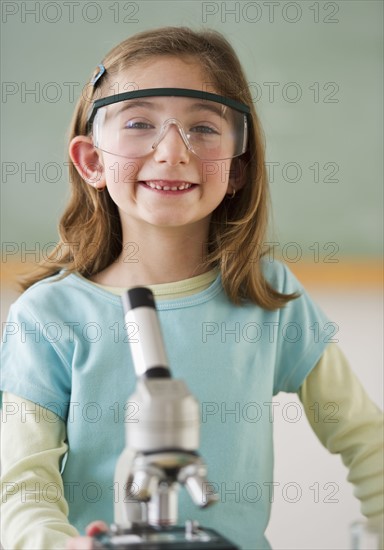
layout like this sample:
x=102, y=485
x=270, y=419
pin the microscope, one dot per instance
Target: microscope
x=161, y=450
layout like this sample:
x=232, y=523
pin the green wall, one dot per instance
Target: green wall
x=315, y=70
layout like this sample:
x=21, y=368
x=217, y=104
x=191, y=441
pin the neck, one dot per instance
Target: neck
x=157, y=255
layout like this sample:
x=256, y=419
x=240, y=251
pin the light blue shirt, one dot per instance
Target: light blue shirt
x=65, y=347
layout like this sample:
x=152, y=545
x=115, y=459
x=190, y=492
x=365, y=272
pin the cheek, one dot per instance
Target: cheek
x=121, y=171
x=216, y=172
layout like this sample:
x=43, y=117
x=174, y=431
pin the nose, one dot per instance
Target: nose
x=171, y=146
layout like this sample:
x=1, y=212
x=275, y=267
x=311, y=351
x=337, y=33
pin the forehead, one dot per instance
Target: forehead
x=163, y=72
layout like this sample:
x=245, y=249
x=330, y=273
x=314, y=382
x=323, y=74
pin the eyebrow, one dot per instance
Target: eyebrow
x=214, y=108
x=134, y=103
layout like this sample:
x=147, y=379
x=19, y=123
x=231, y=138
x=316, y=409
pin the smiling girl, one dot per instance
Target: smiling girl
x=169, y=190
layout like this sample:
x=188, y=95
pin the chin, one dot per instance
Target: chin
x=165, y=223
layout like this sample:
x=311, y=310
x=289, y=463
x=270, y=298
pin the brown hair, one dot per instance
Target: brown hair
x=90, y=230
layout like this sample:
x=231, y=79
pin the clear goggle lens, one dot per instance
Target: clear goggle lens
x=135, y=127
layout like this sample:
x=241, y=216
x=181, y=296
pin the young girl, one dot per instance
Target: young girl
x=169, y=190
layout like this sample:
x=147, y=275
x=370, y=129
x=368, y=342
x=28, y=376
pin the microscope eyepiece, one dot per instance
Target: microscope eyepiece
x=138, y=297
x=146, y=341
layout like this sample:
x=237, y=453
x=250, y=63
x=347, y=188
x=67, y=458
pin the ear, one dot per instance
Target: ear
x=87, y=161
x=236, y=178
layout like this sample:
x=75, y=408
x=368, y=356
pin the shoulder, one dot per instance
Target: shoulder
x=303, y=307
x=280, y=277
x=67, y=293
x=48, y=290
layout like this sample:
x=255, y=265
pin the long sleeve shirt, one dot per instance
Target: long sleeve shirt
x=35, y=447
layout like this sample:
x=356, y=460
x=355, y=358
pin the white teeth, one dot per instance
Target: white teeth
x=181, y=187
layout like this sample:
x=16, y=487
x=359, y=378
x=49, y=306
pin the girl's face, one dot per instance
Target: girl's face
x=144, y=188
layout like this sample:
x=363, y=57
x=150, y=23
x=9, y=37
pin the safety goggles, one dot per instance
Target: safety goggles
x=132, y=124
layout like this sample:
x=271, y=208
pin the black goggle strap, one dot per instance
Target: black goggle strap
x=170, y=92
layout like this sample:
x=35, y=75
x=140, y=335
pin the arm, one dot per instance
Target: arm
x=356, y=429
x=34, y=510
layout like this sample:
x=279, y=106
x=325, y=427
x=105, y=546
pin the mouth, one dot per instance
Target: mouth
x=171, y=186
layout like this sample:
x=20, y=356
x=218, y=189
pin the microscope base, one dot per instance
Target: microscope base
x=173, y=538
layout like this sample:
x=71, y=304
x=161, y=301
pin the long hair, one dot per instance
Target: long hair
x=90, y=230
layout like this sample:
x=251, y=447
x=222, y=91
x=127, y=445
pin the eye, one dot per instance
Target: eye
x=202, y=129
x=138, y=125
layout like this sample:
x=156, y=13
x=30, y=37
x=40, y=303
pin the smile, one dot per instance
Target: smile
x=168, y=186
